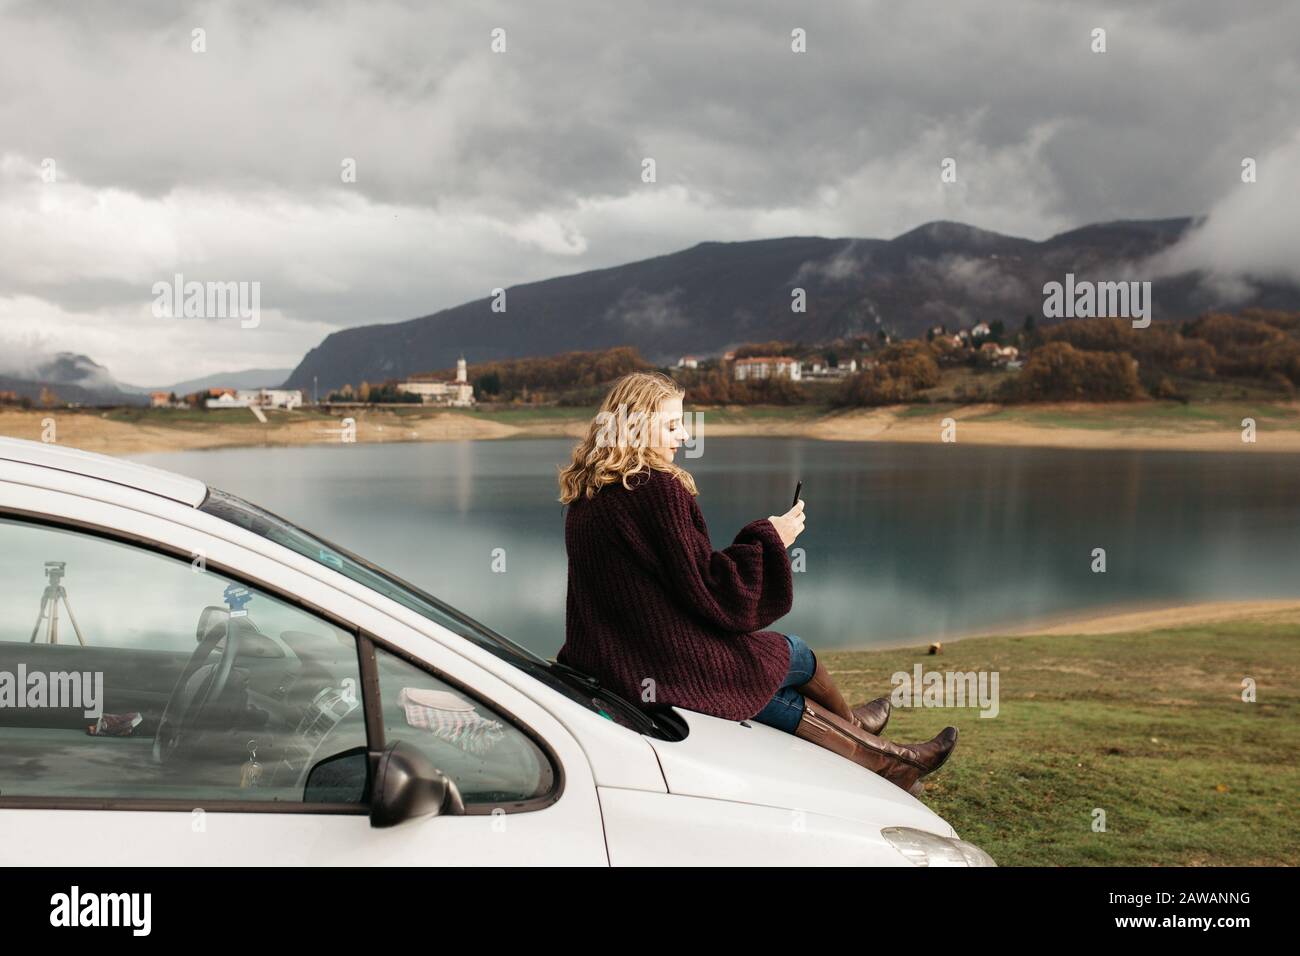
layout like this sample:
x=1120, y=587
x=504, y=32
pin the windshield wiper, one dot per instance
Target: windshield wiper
x=574, y=672
x=594, y=686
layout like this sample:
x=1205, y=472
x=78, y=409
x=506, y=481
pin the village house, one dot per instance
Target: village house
x=779, y=366
x=287, y=398
x=224, y=398
x=998, y=354
x=432, y=391
x=688, y=361
x=841, y=370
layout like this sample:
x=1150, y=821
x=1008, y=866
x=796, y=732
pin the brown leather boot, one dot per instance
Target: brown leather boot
x=872, y=716
x=900, y=764
x=823, y=690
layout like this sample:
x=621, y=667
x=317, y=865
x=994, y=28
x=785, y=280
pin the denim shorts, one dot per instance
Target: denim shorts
x=785, y=709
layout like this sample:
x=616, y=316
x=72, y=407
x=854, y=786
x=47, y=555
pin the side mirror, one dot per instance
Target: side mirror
x=407, y=785
x=340, y=778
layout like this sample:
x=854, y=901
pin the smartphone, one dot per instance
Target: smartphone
x=797, y=488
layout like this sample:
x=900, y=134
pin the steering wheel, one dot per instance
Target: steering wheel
x=199, y=685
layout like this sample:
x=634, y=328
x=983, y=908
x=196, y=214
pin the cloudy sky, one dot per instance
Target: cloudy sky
x=128, y=156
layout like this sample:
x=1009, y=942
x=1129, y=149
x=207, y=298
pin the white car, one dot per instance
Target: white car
x=186, y=679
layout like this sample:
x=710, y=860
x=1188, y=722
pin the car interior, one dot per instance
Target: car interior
x=244, y=716
x=258, y=701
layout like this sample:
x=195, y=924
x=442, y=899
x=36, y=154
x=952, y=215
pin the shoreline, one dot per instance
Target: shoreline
x=1145, y=426
x=1113, y=619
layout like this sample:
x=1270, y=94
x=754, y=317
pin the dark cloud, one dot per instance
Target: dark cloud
x=477, y=170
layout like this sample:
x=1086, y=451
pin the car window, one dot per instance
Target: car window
x=129, y=674
x=489, y=759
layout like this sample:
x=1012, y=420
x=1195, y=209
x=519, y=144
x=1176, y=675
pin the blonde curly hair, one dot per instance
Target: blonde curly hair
x=597, y=461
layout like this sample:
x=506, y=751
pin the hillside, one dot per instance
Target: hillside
x=715, y=295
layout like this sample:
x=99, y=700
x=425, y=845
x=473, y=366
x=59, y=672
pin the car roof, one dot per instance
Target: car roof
x=188, y=491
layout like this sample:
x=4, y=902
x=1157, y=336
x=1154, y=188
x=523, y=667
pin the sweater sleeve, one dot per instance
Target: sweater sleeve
x=742, y=588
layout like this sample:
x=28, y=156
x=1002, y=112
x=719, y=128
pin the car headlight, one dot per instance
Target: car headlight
x=928, y=849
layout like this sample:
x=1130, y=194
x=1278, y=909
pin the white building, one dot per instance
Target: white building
x=841, y=370
x=226, y=398
x=269, y=397
x=457, y=393
x=688, y=361
x=779, y=366
x=999, y=354
x=288, y=398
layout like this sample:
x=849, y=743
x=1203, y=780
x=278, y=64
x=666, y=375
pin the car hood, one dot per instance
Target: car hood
x=748, y=762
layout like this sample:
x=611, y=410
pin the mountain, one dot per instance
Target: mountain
x=77, y=378
x=716, y=295
x=72, y=377
x=249, y=378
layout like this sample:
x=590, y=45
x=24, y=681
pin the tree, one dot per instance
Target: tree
x=1028, y=334
x=901, y=372
x=1059, y=372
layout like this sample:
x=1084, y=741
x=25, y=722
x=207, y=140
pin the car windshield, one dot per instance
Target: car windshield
x=572, y=683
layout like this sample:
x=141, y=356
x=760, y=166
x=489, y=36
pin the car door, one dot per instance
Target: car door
x=262, y=757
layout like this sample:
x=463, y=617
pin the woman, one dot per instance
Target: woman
x=658, y=616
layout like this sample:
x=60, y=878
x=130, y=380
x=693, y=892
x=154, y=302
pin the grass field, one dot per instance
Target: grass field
x=1209, y=425
x=729, y=414
x=197, y=417
x=1159, y=415
x=1146, y=414
x=1149, y=727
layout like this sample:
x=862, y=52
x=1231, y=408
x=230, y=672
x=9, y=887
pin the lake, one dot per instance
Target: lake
x=902, y=541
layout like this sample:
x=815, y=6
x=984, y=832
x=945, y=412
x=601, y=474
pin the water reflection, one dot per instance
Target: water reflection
x=902, y=541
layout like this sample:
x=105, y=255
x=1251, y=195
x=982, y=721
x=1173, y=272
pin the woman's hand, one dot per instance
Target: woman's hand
x=789, y=525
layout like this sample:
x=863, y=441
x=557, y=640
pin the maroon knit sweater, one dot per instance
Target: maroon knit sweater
x=650, y=600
